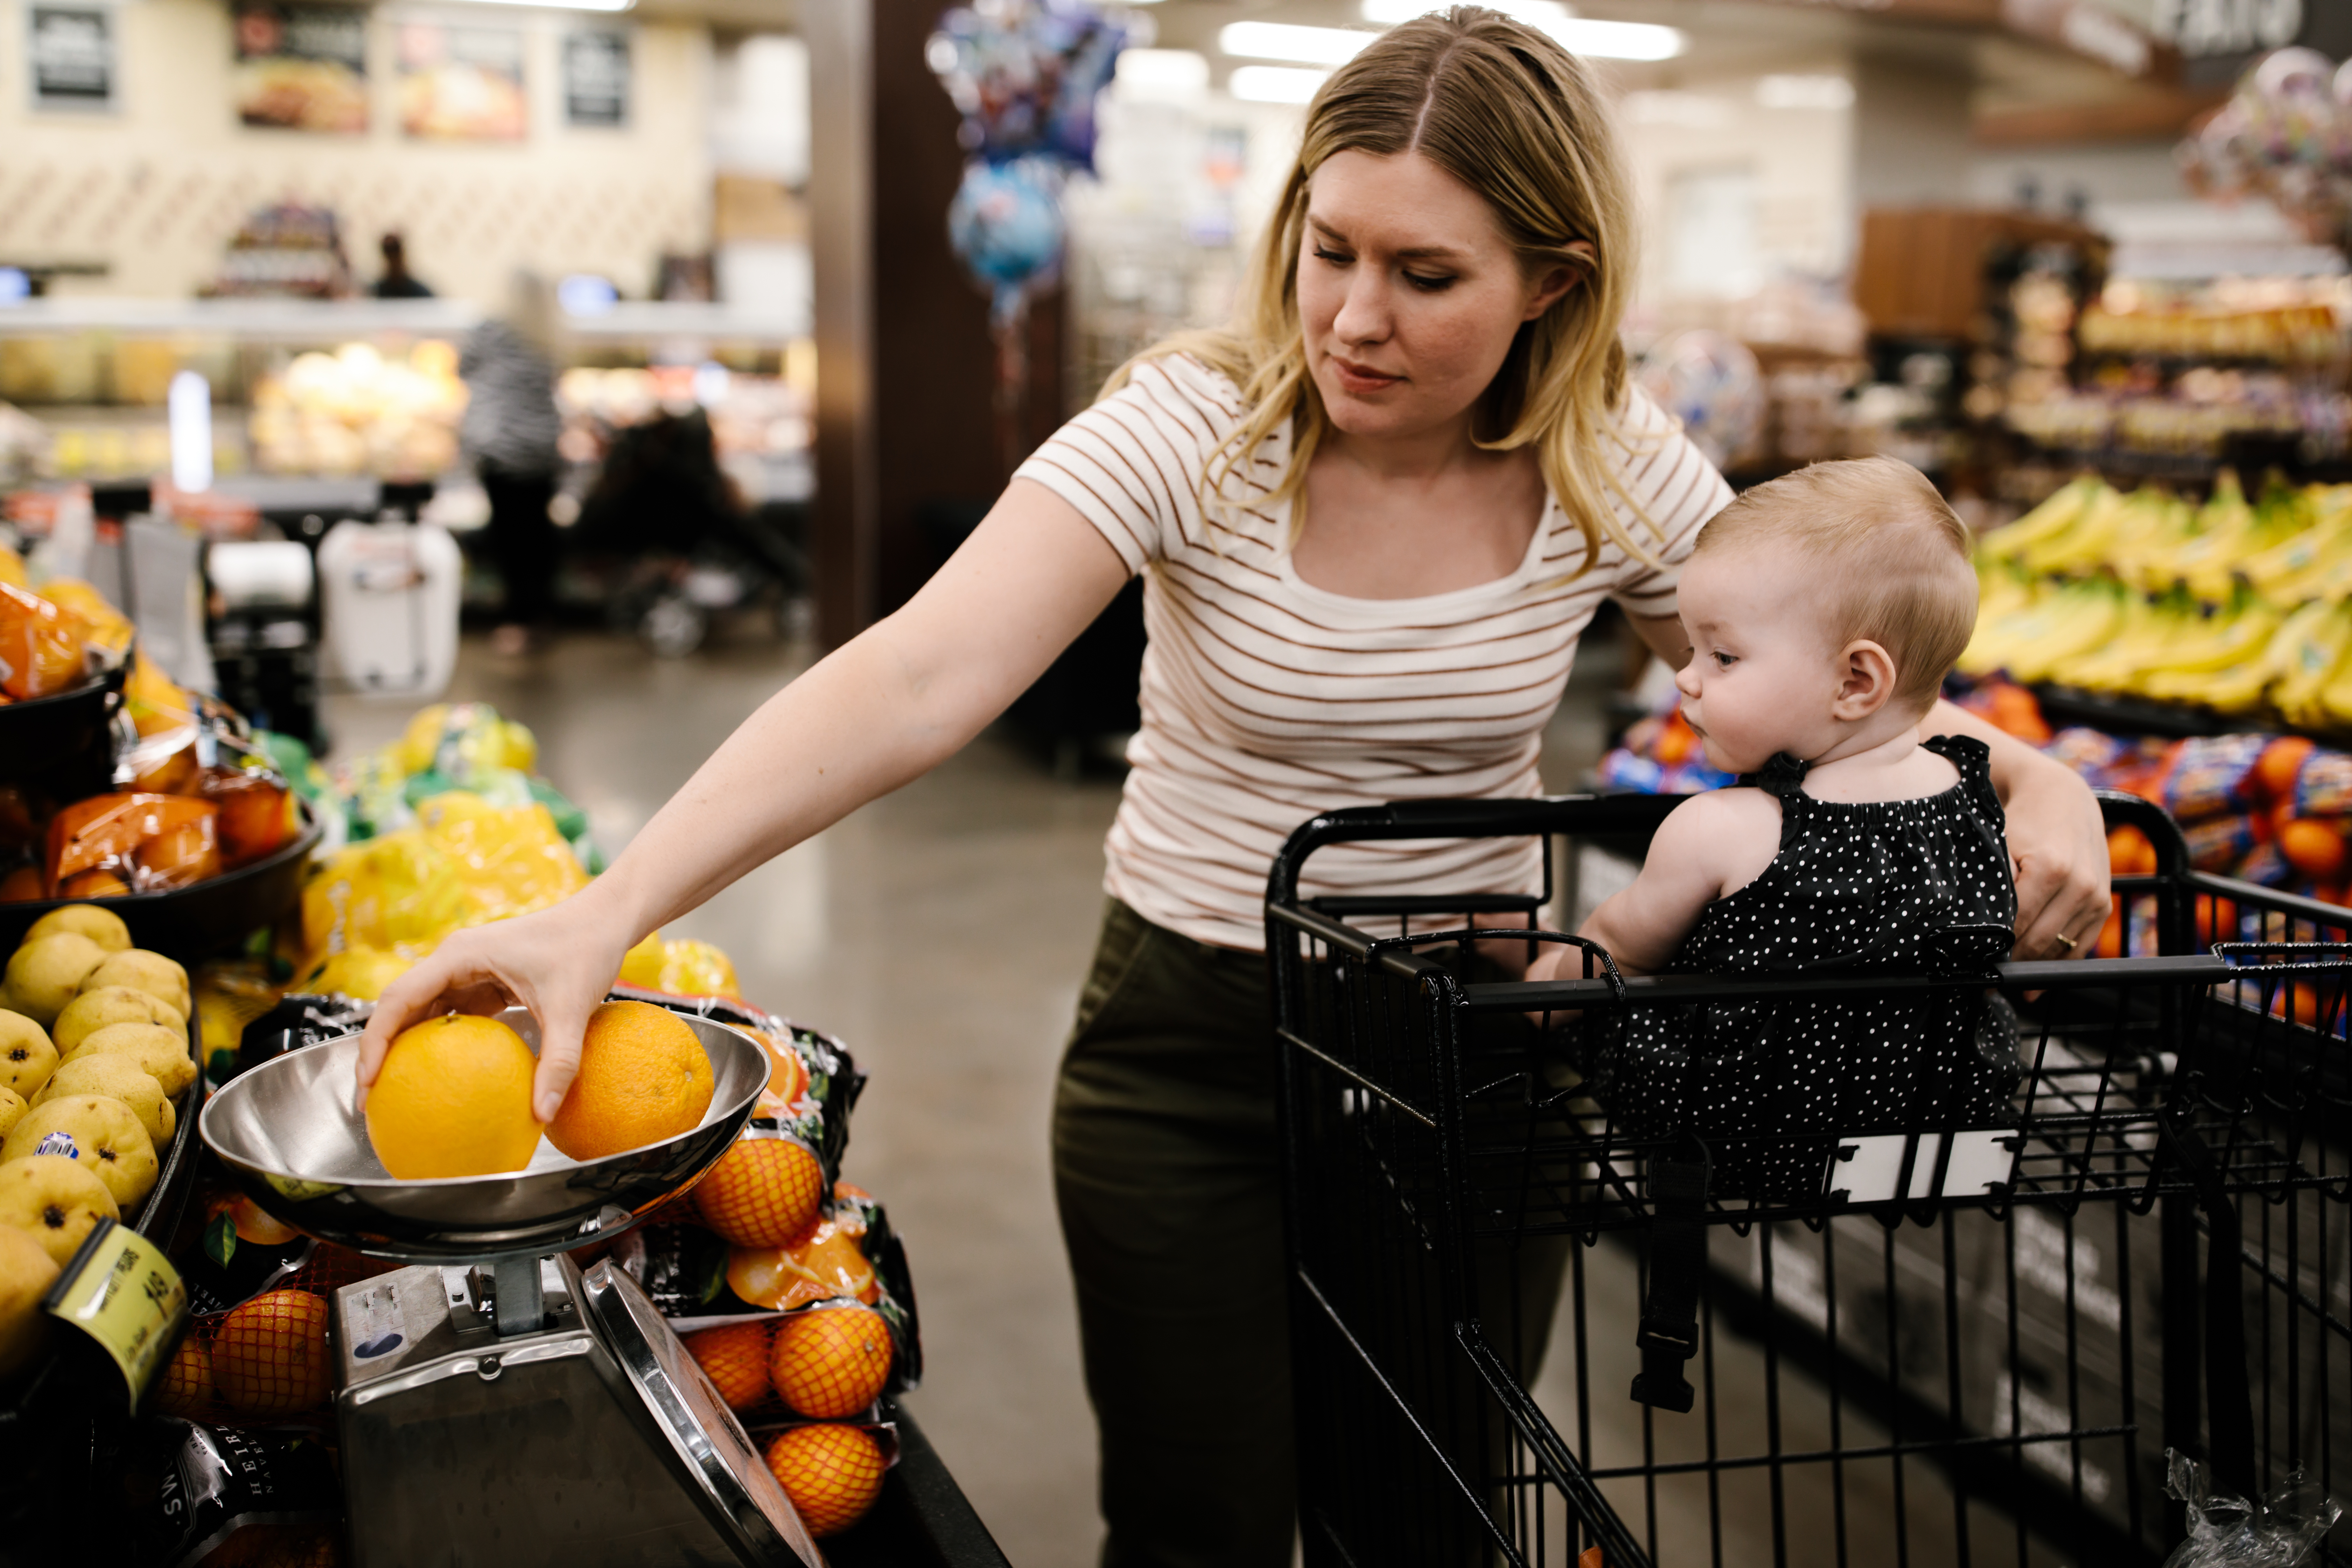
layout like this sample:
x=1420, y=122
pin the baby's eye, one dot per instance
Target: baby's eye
x=1725, y=661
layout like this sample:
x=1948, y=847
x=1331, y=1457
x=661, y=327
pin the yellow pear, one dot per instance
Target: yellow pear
x=26, y=1057
x=44, y=975
x=53, y=1200
x=96, y=1008
x=26, y=1272
x=163, y=1052
x=12, y=1109
x=103, y=927
x=117, y=1077
x=141, y=971
x=99, y=1133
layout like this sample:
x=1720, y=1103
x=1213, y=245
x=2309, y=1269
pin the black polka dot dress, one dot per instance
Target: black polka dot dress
x=1903, y=887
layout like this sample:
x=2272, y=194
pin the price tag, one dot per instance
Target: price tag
x=125, y=1294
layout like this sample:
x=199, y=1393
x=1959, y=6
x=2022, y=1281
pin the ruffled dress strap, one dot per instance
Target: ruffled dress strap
x=1973, y=759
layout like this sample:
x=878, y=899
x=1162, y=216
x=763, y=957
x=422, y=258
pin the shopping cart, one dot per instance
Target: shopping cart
x=1970, y=1345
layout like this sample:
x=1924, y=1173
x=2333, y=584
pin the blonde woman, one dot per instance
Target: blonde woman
x=1373, y=515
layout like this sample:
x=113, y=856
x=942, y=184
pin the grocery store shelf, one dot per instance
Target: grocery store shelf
x=320, y=322
x=2063, y=706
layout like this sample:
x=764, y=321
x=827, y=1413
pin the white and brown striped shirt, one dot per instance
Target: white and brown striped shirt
x=1266, y=699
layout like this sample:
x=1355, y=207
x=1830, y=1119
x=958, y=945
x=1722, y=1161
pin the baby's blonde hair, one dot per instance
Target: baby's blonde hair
x=1896, y=555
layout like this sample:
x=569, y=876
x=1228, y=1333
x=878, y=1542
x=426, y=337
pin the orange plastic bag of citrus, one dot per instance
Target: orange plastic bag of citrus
x=41, y=646
x=144, y=843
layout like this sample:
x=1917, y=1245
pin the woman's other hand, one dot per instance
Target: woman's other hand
x=2057, y=840
x=558, y=962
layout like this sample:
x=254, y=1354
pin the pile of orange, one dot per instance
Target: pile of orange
x=833, y=1474
x=764, y=1192
x=826, y=1362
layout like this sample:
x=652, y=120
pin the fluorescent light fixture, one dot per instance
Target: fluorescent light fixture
x=1274, y=84
x=1285, y=41
x=564, y=4
x=1693, y=111
x=1577, y=35
x=1162, y=75
x=1805, y=92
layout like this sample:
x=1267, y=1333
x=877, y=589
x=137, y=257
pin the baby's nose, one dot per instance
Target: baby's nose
x=1687, y=678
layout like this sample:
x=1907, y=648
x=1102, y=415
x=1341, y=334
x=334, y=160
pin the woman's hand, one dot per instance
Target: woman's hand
x=558, y=963
x=2057, y=840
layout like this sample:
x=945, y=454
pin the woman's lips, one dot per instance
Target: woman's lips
x=1362, y=378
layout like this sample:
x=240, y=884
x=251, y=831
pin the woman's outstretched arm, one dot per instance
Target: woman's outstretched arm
x=877, y=714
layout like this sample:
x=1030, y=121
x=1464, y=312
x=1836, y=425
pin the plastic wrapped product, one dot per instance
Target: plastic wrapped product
x=2280, y=1530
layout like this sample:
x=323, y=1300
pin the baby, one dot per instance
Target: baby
x=1824, y=610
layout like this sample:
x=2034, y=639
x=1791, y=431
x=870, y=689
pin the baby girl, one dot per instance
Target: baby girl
x=1824, y=610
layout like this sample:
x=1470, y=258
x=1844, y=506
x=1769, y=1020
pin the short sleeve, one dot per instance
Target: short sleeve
x=1133, y=464
x=1677, y=491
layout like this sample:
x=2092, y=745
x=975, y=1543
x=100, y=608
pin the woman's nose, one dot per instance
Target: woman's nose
x=1364, y=315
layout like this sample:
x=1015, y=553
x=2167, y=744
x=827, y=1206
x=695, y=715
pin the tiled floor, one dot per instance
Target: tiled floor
x=942, y=932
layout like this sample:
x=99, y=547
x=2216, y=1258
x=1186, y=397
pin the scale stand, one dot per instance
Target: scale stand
x=523, y=1411
x=499, y=1407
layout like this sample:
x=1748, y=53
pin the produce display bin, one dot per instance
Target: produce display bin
x=1975, y=1340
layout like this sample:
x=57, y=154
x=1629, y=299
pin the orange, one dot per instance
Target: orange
x=454, y=1099
x=644, y=1078
x=825, y=1265
x=2312, y=849
x=830, y=1362
x=2130, y=854
x=186, y=1388
x=269, y=1356
x=833, y=1474
x=2280, y=762
x=787, y=1074
x=763, y=1191
x=735, y=1359
x=2110, y=935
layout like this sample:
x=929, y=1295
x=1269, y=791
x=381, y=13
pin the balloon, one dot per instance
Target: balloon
x=1024, y=74
x=2287, y=135
x=1713, y=386
x=1006, y=224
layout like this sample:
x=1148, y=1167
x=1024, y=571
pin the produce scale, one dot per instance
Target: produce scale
x=496, y=1403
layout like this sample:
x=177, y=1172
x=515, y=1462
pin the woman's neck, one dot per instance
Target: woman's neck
x=1417, y=457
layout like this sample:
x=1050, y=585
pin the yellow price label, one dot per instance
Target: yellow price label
x=127, y=1295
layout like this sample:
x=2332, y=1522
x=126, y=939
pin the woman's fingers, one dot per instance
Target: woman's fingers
x=2062, y=883
x=450, y=979
x=562, y=1025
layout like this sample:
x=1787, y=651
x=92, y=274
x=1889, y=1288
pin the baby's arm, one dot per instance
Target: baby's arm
x=1712, y=844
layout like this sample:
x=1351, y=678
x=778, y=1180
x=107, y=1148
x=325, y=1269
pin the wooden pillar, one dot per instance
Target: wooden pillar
x=907, y=446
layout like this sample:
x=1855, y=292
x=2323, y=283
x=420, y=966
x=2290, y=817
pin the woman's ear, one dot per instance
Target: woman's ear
x=1866, y=680
x=1557, y=280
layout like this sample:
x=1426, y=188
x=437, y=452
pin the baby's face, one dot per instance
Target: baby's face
x=1763, y=671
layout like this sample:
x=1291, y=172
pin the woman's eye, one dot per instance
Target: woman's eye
x=1335, y=258
x=1429, y=285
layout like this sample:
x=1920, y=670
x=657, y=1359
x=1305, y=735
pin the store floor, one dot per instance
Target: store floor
x=942, y=932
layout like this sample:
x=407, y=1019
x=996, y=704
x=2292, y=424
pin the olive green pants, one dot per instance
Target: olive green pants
x=1165, y=1167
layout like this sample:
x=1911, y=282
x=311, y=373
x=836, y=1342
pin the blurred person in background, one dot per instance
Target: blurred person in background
x=398, y=282
x=510, y=432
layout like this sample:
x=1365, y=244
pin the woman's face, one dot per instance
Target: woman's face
x=1409, y=295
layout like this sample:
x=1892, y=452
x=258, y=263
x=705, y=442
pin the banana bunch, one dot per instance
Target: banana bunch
x=2232, y=604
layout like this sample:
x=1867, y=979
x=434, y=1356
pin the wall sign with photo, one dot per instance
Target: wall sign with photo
x=461, y=83
x=302, y=67
x=596, y=78
x=69, y=50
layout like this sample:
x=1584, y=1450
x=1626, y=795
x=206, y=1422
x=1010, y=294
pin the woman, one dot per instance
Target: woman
x=509, y=429
x=1375, y=515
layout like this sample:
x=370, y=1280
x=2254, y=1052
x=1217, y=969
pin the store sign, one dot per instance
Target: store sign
x=462, y=83
x=2096, y=31
x=596, y=79
x=70, y=52
x=302, y=67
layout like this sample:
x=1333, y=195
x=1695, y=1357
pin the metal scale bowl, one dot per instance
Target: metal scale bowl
x=497, y=1404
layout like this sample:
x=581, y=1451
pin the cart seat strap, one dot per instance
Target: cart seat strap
x=1669, y=1331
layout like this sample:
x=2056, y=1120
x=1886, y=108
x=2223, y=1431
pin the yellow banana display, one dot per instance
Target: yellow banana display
x=2232, y=605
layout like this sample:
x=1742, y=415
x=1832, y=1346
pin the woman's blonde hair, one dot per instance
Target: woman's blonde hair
x=1520, y=121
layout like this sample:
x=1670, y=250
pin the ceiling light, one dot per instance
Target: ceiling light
x=1805, y=92
x=1274, y=84
x=1161, y=75
x=1695, y=110
x=1577, y=35
x=1285, y=41
x=565, y=4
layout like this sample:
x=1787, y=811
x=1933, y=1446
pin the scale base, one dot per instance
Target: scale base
x=589, y=1440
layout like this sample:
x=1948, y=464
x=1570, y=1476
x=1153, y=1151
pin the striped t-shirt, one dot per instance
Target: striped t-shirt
x=1267, y=700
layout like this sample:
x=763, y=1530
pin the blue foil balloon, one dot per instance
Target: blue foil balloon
x=1006, y=226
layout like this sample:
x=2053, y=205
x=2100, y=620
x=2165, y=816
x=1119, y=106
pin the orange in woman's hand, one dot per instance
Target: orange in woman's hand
x=644, y=1078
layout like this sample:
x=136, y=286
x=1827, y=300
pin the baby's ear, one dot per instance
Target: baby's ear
x=1866, y=680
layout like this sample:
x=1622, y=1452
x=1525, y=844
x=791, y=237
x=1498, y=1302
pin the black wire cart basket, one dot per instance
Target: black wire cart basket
x=1949, y=1344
